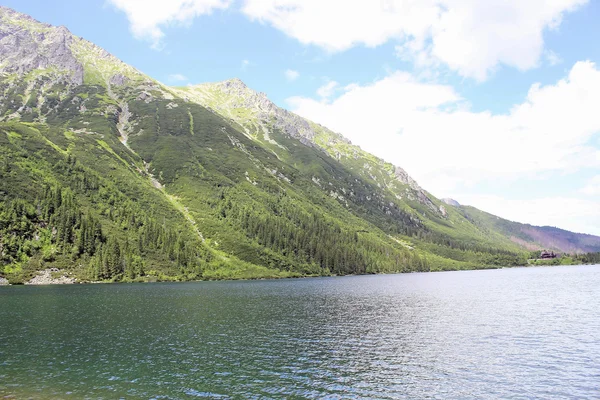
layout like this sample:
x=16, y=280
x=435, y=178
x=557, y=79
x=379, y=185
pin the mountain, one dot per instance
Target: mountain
x=107, y=174
x=535, y=237
x=257, y=116
x=451, y=202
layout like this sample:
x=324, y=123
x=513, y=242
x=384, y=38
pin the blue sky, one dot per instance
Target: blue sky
x=493, y=103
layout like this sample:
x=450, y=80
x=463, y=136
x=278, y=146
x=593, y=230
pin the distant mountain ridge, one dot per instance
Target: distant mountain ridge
x=451, y=202
x=110, y=175
x=536, y=237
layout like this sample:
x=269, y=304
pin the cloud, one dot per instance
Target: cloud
x=245, y=64
x=291, y=75
x=471, y=37
x=571, y=213
x=429, y=130
x=147, y=17
x=592, y=188
x=327, y=90
x=177, y=78
x=552, y=58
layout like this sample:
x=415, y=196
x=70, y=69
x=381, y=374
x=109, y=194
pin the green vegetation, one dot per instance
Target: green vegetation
x=205, y=189
x=57, y=212
x=566, y=259
x=229, y=210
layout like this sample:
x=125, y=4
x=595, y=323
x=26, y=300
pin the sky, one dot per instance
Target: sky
x=494, y=103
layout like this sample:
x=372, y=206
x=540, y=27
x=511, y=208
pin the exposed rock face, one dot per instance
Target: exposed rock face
x=403, y=177
x=3, y=281
x=118, y=80
x=23, y=50
x=45, y=278
x=451, y=202
x=27, y=45
x=443, y=211
x=422, y=196
x=40, y=65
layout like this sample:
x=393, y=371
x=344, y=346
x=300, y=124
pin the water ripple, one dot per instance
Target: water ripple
x=512, y=333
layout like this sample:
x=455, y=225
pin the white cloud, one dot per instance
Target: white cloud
x=291, y=75
x=592, y=188
x=429, y=130
x=327, y=90
x=471, y=37
x=245, y=64
x=571, y=213
x=177, y=78
x=147, y=17
x=552, y=58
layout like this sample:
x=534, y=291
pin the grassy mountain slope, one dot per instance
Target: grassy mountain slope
x=448, y=224
x=534, y=237
x=111, y=175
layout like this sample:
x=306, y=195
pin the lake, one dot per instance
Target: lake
x=508, y=333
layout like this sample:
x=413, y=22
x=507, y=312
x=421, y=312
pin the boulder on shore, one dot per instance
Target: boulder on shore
x=45, y=278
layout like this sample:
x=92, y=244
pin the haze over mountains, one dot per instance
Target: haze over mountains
x=112, y=175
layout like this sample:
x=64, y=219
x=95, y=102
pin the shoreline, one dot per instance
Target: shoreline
x=44, y=277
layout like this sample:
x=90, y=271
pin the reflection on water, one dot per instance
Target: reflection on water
x=511, y=333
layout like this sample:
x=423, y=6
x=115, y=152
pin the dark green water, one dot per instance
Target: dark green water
x=511, y=333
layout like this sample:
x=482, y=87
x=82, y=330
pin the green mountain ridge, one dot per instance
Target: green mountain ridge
x=535, y=237
x=108, y=174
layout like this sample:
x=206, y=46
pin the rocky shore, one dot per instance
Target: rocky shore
x=49, y=277
x=3, y=281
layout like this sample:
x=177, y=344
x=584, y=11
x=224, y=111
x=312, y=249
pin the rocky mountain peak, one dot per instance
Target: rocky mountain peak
x=27, y=45
x=403, y=177
x=8, y=14
x=234, y=83
x=451, y=202
x=240, y=95
x=228, y=96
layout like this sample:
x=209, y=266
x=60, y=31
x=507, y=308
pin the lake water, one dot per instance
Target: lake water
x=510, y=333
